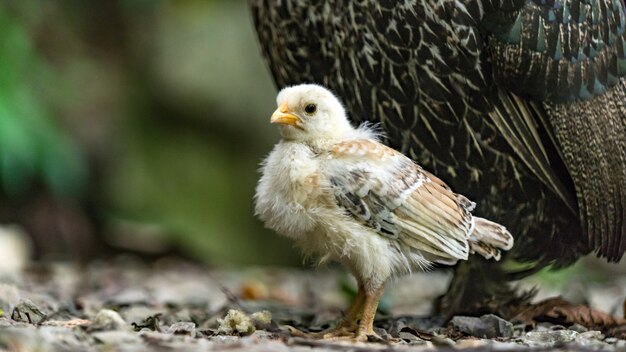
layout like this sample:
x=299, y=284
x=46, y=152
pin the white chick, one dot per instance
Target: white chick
x=341, y=195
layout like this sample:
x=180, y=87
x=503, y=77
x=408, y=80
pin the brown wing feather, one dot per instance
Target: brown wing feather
x=388, y=192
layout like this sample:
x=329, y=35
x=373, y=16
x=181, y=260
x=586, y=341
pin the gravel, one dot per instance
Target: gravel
x=127, y=305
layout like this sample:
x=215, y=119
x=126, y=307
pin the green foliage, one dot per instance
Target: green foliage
x=32, y=148
x=559, y=278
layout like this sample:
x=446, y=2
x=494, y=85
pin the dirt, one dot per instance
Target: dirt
x=128, y=305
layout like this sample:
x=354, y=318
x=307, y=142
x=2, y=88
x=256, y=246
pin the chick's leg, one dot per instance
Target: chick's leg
x=346, y=327
x=370, y=305
x=353, y=313
x=349, y=323
x=358, y=323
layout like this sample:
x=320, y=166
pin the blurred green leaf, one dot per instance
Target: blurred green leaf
x=31, y=146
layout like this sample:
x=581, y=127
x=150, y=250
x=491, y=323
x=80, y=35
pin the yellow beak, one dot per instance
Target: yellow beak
x=284, y=117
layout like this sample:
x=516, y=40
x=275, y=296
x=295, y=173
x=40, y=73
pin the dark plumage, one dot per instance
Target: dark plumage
x=520, y=105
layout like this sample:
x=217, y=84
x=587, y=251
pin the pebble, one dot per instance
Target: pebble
x=185, y=324
x=107, y=319
x=592, y=339
x=487, y=326
x=578, y=328
x=470, y=343
x=593, y=334
x=438, y=340
x=28, y=312
x=556, y=338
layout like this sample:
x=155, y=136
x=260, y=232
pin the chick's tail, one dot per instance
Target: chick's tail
x=489, y=238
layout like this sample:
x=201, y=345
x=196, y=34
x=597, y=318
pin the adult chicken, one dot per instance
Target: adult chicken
x=518, y=104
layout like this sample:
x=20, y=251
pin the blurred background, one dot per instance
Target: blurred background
x=138, y=126
x=134, y=125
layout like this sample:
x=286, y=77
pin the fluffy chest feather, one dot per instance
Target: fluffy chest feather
x=292, y=190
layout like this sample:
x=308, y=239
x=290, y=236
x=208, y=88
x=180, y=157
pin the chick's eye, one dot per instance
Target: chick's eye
x=310, y=109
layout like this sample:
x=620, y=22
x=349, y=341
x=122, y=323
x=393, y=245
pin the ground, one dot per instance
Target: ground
x=128, y=305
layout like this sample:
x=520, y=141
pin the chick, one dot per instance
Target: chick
x=341, y=195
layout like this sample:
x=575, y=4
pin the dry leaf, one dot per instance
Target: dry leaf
x=424, y=335
x=559, y=311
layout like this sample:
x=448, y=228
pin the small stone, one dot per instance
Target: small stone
x=470, y=344
x=501, y=327
x=487, y=326
x=611, y=340
x=415, y=323
x=592, y=339
x=439, y=340
x=593, y=334
x=107, y=319
x=549, y=338
x=578, y=328
x=28, y=312
x=182, y=328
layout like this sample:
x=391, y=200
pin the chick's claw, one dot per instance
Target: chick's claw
x=342, y=332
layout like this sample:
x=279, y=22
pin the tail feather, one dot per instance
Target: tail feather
x=489, y=238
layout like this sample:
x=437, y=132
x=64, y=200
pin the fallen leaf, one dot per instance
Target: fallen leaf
x=421, y=334
x=559, y=311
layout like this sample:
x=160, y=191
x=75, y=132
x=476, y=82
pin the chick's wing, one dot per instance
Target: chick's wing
x=386, y=191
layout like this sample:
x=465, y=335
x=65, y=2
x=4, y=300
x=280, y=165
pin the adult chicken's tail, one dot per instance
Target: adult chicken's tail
x=489, y=238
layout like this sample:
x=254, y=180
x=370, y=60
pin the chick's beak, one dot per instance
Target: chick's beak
x=284, y=117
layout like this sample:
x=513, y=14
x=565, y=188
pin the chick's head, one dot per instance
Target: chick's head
x=309, y=112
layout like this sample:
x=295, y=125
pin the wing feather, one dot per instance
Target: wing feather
x=389, y=193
